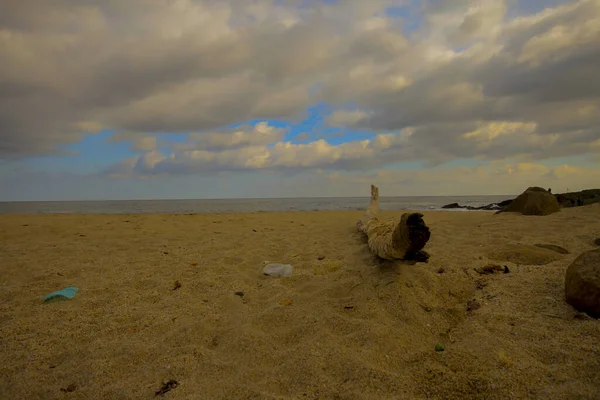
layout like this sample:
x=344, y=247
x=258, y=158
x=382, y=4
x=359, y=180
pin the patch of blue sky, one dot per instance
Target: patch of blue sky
x=408, y=14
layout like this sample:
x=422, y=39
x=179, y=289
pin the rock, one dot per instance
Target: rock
x=505, y=203
x=582, y=283
x=488, y=207
x=553, y=247
x=584, y=197
x=534, y=201
x=597, y=242
x=453, y=205
x=523, y=254
x=278, y=270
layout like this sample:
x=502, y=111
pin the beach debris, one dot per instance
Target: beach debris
x=67, y=293
x=194, y=263
x=582, y=283
x=439, y=347
x=348, y=307
x=166, y=387
x=278, y=270
x=293, y=255
x=473, y=305
x=241, y=294
x=489, y=269
x=71, y=388
x=176, y=285
x=441, y=270
x=320, y=258
x=533, y=201
x=286, y=302
x=553, y=247
x=404, y=240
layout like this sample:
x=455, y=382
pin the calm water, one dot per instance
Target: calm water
x=239, y=205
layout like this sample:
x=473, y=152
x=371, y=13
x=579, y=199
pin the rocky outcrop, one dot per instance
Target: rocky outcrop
x=581, y=198
x=534, y=201
x=488, y=207
x=582, y=283
x=570, y=199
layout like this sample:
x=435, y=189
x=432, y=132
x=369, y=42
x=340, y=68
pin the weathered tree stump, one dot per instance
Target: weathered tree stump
x=402, y=241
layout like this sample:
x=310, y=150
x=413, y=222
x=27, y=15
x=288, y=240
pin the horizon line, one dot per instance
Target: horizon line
x=248, y=198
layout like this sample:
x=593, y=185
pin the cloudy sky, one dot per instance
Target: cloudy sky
x=133, y=99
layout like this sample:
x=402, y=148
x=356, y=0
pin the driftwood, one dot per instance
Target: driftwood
x=402, y=241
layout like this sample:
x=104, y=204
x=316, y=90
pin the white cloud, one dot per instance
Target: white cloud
x=245, y=136
x=526, y=88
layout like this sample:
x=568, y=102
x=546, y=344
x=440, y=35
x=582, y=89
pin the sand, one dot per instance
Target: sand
x=344, y=327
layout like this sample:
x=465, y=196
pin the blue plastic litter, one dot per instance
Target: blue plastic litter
x=67, y=293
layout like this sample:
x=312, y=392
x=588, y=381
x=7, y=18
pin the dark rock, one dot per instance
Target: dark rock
x=597, y=242
x=581, y=198
x=534, y=201
x=488, y=207
x=582, y=283
x=453, y=205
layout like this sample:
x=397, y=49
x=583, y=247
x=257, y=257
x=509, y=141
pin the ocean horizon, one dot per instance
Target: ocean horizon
x=231, y=205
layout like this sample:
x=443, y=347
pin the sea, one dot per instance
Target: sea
x=241, y=205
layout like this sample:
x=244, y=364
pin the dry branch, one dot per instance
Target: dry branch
x=402, y=241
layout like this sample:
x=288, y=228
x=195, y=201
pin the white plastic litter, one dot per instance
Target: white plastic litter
x=278, y=270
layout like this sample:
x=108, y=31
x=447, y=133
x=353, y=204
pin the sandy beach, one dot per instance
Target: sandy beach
x=343, y=326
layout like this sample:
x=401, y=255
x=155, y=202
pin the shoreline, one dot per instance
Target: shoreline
x=451, y=211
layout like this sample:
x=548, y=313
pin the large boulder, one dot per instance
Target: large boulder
x=534, y=201
x=582, y=283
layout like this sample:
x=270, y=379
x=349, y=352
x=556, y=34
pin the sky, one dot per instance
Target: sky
x=157, y=99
